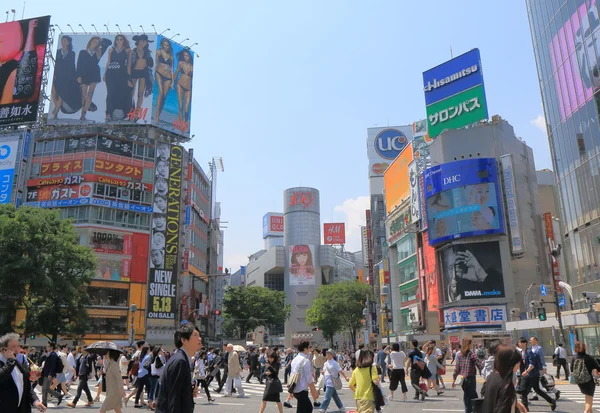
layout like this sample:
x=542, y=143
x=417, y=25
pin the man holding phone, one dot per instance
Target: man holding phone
x=15, y=388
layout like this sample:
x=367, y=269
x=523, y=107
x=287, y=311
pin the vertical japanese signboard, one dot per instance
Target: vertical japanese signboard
x=510, y=193
x=164, y=254
x=8, y=160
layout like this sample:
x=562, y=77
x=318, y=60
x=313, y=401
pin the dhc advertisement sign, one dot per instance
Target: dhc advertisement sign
x=463, y=200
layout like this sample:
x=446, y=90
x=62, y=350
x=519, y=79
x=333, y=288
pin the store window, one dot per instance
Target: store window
x=117, y=325
x=112, y=297
x=407, y=271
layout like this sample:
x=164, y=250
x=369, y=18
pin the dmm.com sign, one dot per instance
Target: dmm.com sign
x=457, y=111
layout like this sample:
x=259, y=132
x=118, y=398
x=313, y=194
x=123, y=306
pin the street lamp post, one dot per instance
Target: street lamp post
x=133, y=309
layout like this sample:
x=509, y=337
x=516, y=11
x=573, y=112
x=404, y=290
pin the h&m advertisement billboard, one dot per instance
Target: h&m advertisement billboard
x=22, y=53
x=472, y=271
x=463, y=200
x=164, y=250
x=122, y=78
x=455, y=93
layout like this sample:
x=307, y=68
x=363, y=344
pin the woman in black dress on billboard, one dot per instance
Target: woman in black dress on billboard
x=66, y=92
x=140, y=70
x=118, y=86
x=88, y=70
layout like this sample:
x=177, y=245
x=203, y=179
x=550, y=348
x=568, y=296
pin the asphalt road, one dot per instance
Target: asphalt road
x=571, y=400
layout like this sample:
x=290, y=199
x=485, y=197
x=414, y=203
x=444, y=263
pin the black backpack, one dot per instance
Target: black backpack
x=158, y=362
x=59, y=364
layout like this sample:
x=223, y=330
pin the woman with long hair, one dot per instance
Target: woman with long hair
x=501, y=395
x=88, y=71
x=66, y=91
x=582, y=363
x=118, y=86
x=139, y=67
x=397, y=359
x=361, y=382
x=200, y=374
x=113, y=382
x=273, y=387
x=433, y=365
x=185, y=69
x=465, y=373
x=165, y=77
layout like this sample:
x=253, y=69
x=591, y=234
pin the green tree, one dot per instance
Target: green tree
x=339, y=307
x=246, y=308
x=45, y=271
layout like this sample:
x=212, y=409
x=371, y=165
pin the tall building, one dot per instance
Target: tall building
x=565, y=43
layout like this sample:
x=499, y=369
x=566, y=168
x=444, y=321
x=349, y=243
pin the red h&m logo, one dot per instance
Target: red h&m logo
x=301, y=198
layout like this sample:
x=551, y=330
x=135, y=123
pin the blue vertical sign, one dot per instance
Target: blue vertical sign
x=543, y=290
x=8, y=158
x=561, y=300
x=188, y=215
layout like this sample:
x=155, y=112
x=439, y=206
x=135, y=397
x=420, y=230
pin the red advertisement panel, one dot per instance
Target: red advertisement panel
x=55, y=192
x=127, y=244
x=276, y=223
x=432, y=290
x=334, y=233
x=118, y=168
x=61, y=167
x=126, y=269
x=139, y=269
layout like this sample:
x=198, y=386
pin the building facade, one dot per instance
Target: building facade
x=565, y=44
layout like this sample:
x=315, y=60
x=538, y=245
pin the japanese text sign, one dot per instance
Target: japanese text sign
x=475, y=316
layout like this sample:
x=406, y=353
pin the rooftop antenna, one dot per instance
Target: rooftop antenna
x=94, y=26
x=13, y=12
x=143, y=31
x=61, y=30
x=155, y=32
x=130, y=28
x=451, y=54
x=120, y=31
x=107, y=29
x=82, y=28
x=70, y=27
x=164, y=31
x=174, y=36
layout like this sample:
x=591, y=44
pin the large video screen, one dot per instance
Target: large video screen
x=122, y=78
x=472, y=271
x=22, y=52
x=463, y=200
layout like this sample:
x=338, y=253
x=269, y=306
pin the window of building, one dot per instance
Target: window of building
x=274, y=282
x=48, y=147
x=35, y=169
x=108, y=297
x=88, y=165
x=117, y=325
x=407, y=271
x=407, y=247
x=148, y=175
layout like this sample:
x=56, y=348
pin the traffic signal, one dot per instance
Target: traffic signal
x=542, y=314
x=217, y=312
x=315, y=329
x=32, y=337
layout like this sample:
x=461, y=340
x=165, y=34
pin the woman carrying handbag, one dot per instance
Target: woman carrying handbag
x=330, y=379
x=273, y=387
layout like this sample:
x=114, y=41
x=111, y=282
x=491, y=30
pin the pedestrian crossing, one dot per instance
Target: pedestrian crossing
x=571, y=393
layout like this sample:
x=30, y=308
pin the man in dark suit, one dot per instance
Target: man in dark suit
x=16, y=394
x=176, y=394
x=49, y=374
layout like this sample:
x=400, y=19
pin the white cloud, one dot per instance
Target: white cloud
x=354, y=211
x=540, y=123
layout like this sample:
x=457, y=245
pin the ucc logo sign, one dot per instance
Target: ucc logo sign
x=389, y=143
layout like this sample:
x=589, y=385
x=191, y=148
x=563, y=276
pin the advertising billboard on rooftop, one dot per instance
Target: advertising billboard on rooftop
x=396, y=180
x=463, y=200
x=455, y=93
x=122, y=78
x=384, y=145
x=22, y=51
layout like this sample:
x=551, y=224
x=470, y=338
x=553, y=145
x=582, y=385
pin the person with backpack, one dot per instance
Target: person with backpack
x=583, y=370
x=84, y=368
x=156, y=368
x=416, y=364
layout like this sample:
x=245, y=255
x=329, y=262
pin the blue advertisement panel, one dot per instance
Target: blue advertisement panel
x=8, y=160
x=463, y=200
x=59, y=203
x=452, y=77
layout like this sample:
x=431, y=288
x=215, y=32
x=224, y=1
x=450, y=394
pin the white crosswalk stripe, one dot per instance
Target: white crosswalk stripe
x=571, y=393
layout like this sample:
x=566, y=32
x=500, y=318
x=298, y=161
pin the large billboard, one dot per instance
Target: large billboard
x=122, y=78
x=273, y=224
x=455, y=93
x=512, y=204
x=396, y=180
x=164, y=243
x=463, y=200
x=8, y=161
x=384, y=145
x=472, y=271
x=22, y=51
x=301, y=265
x=334, y=234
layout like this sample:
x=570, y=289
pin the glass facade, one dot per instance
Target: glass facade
x=566, y=45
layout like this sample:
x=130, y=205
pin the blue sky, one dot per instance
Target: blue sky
x=284, y=90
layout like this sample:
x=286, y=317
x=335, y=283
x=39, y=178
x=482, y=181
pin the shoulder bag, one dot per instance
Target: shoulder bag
x=35, y=372
x=377, y=393
x=295, y=377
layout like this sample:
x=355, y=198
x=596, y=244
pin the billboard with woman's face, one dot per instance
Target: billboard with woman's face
x=301, y=266
x=22, y=51
x=122, y=78
x=463, y=200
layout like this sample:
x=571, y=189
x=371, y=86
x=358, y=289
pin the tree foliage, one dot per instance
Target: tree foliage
x=246, y=308
x=45, y=271
x=339, y=307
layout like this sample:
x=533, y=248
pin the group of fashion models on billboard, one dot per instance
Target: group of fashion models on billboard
x=128, y=76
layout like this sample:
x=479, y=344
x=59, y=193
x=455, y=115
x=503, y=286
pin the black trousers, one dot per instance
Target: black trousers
x=304, y=404
x=415, y=378
x=141, y=382
x=533, y=383
x=398, y=377
x=562, y=363
x=83, y=386
x=255, y=373
x=286, y=374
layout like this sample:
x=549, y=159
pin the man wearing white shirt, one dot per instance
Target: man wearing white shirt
x=560, y=355
x=15, y=392
x=71, y=362
x=302, y=365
